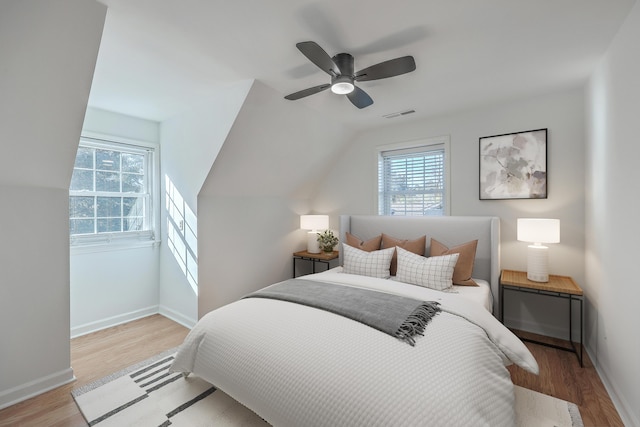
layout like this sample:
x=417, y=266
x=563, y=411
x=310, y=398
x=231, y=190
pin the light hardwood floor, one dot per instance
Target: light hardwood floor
x=97, y=355
x=561, y=376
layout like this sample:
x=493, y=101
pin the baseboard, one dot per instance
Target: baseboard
x=98, y=325
x=177, y=317
x=622, y=405
x=33, y=388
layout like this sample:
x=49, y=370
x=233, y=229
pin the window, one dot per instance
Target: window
x=111, y=191
x=413, y=178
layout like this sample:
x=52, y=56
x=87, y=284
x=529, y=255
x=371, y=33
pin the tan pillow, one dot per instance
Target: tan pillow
x=464, y=266
x=416, y=246
x=370, y=245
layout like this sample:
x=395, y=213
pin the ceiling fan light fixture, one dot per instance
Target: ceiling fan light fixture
x=342, y=85
x=340, y=68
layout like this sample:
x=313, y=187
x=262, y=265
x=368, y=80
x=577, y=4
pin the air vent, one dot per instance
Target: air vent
x=398, y=114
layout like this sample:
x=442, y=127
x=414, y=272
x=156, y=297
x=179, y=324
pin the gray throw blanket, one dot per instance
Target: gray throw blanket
x=398, y=316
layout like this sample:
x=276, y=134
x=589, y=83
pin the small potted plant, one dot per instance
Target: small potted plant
x=327, y=240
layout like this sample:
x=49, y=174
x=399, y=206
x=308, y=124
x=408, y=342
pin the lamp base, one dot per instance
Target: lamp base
x=313, y=247
x=537, y=263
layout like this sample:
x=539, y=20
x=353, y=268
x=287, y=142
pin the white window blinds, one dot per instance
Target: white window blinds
x=411, y=181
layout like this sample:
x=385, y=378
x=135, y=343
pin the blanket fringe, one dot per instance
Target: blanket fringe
x=417, y=321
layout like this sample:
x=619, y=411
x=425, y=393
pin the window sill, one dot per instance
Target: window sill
x=121, y=245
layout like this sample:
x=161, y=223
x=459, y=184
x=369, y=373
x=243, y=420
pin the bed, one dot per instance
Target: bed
x=296, y=365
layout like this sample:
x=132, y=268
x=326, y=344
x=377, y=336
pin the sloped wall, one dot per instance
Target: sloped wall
x=260, y=182
x=48, y=52
x=190, y=144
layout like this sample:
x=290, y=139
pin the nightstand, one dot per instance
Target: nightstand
x=322, y=258
x=557, y=287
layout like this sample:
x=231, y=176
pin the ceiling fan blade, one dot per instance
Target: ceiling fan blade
x=307, y=92
x=318, y=56
x=359, y=98
x=390, y=68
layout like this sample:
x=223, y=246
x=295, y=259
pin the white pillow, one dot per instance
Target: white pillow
x=435, y=272
x=374, y=264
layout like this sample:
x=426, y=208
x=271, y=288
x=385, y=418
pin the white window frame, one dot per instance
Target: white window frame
x=125, y=239
x=416, y=145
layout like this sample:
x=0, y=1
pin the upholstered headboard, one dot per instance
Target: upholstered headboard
x=450, y=230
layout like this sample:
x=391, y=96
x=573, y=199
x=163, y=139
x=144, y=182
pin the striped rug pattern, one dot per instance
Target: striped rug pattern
x=146, y=394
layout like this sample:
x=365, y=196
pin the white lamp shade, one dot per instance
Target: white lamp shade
x=539, y=230
x=314, y=222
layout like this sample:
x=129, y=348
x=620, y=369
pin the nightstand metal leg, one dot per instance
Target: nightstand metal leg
x=571, y=325
x=581, y=333
x=574, y=344
x=501, y=304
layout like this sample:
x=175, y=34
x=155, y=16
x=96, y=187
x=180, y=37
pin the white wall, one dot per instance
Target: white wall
x=612, y=219
x=48, y=52
x=351, y=187
x=190, y=144
x=112, y=285
x=261, y=181
x=118, y=125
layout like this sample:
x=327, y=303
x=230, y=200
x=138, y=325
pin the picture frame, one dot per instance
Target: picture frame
x=514, y=165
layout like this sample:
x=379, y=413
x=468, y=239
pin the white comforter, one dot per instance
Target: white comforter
x=298, y=366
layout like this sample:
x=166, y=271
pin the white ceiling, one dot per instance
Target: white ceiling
x=159, y=57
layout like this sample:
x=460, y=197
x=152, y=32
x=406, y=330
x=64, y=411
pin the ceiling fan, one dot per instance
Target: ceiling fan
x=340, y=68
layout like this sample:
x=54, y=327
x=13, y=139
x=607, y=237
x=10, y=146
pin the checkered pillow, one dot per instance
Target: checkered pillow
x=374, y=264
x=435, y=272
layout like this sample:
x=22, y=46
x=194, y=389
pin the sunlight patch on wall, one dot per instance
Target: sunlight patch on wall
x=182, y=233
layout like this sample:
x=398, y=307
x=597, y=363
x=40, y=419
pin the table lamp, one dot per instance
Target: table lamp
x=315, y=223
x=538, y=231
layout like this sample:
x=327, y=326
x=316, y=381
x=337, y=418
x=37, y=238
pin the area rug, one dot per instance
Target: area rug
x=535, y=409
x=146, y=394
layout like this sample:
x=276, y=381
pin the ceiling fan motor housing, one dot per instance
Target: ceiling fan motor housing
x=344, y=61
x=343, y=83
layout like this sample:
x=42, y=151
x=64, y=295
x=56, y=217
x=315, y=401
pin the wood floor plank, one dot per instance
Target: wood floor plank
x=561, y=376
x=99, y=354
x=95, y=356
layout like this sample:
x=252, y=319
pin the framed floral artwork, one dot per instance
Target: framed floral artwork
x=514, y=166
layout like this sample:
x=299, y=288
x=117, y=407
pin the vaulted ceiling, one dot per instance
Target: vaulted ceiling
x=159, y=57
